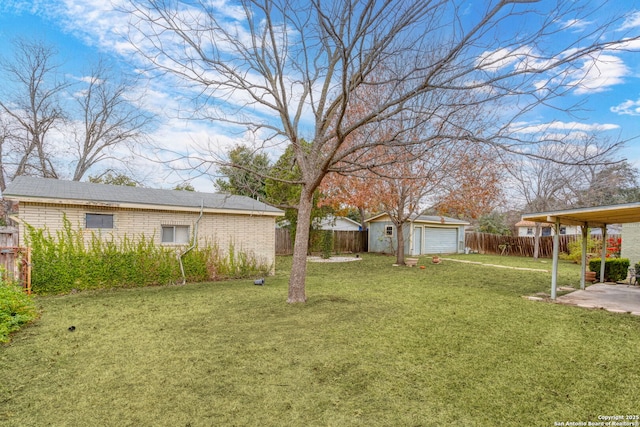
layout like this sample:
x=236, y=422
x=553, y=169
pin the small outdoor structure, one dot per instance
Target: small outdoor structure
x=423, y=234
x=169, y=217
x=595, y=217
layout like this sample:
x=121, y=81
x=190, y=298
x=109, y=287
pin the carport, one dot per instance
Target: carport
x=595, y=217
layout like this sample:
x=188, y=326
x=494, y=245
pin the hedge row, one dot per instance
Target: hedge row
x=615, y=269
x=69, y=261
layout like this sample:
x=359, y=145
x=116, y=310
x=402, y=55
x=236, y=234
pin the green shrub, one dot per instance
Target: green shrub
x=615, y=269
x=234, y=264
x=594, y=246
x=16, y=309
x=67, y=261
x=327, y=243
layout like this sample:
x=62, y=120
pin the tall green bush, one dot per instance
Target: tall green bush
x=69, y=260
x=615, y=269
x=327, y=243
x=16, y=308
x=594, y=246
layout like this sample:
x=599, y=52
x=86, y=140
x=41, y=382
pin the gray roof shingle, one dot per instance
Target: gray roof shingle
x=46, y=188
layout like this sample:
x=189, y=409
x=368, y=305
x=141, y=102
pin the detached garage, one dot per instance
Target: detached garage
x=424, y=234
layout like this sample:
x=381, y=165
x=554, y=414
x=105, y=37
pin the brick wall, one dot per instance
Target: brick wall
x=252, y=234
x=631, y=242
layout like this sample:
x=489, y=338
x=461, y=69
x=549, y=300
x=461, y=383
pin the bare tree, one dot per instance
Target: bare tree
x=559, y=176
x=109, y=120
x=43, y=133
x=610, y=182
x=303, y=62
x=5, y=137
x=30, y=101
x=542, y=183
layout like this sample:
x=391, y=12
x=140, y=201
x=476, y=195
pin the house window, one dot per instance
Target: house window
x=563, y=230
x=530, y=231
x=99, y=220
x=388, y=231
x=175, y=234
x=546, y=231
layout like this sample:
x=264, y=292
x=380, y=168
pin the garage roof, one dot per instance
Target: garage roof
x=591, y=217
x=427, y=219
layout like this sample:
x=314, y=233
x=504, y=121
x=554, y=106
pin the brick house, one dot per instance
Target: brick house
x=167, y=216
x=630, y=247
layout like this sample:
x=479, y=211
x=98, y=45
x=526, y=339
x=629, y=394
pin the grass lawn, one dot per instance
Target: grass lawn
x=375, y=345
x=515, y=261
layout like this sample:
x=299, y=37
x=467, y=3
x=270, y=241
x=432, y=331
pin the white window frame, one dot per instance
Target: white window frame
x=174, y=235
x=388, y=230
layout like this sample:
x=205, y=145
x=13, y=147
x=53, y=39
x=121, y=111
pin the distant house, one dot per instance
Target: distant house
x=330, y=222
x=338, y=223
x=528, y=228
x=167, y=216
x=423, y=234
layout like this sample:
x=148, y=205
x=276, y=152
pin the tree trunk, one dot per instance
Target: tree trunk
x=400, y=240
x=299, y=268
x=363, y=227
x=536, y=240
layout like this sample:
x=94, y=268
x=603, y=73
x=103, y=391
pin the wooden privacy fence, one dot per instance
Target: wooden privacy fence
x=15, y=262
x=350, y=241
x=284, y=246
x=522, y=246
x=343, y=241
x=9, y=236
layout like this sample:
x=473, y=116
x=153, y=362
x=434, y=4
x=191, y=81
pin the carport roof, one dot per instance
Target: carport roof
x=598, y=216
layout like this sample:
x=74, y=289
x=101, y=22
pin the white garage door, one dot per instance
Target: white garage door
x=440, y=240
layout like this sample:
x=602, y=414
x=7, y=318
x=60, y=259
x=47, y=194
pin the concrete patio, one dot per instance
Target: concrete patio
x=610, y=297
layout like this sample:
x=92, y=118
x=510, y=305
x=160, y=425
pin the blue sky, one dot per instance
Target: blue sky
x=82, y=29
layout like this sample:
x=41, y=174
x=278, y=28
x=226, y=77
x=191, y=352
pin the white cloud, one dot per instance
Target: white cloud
x=502, y=58
x=559, y=128
x=632, y=21
x=628, y=108
x=576, y=25
x=625, y=45
x=598, y=74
